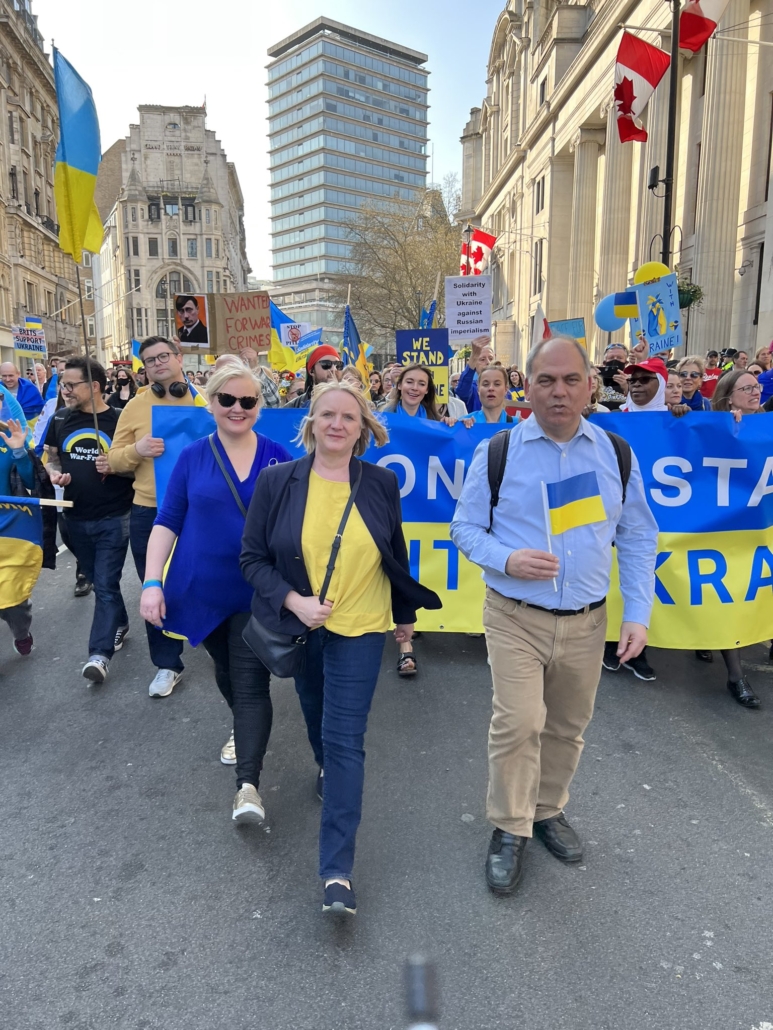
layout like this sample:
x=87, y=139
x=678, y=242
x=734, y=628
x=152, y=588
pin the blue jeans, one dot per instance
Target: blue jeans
x=165, y=652
x=99, y=546
x=335, y=692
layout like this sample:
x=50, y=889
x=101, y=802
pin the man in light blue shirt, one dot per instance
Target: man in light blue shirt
x=546, y=563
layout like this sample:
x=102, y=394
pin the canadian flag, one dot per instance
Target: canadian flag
x=697, y=22
x=541, y=329
x=638, y=70
x=481, y=245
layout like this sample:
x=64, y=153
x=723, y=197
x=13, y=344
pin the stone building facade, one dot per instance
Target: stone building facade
x=544, y=169
x=173, y=213
x=36, y=278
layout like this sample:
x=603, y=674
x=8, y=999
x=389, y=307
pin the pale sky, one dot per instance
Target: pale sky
x=160, y=52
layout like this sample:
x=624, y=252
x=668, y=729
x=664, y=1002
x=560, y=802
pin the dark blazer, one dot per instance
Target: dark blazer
x=272, y=554
x=199, y=334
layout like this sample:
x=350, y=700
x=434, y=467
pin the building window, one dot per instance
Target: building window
x=162, y=323
x=86, y=259
x=215, y=213
x=90, y=327
x=189, y=213
x=539, y=194
x=217, y=248
x=208, y=248
x=89, y=288
x=135, y=246
x=62, y=310
x=161, y=288
x=126, y=218
x=14, y=183
x=50, y=306
x=138, y=321
x=543, y=91
x=193, y=248
x=134, y=214
x=174, y=284
x=172, y=207
x=32, y=296
x=537, y=281
x=207, y=214
x=210, y=282
x=136, y=280
x=217, y=282
x=171, y=247
x=154, y=212
x=757, y=295
x=153, y=246
x=11, y=129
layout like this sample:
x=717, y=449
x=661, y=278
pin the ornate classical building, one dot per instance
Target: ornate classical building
x=36, y=278
x=544, y=169
x=173, y=212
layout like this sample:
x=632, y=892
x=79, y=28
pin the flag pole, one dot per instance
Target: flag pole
x=546, y=510
x=668, y=180
x=348, y=294
x=437, y=289
x=88, y=360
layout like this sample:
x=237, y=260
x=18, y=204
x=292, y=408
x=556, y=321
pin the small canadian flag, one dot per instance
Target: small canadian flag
x=698, y=21
x=481, y=245
x=638, y=70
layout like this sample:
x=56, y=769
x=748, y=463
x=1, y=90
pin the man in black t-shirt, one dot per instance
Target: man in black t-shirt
x=98, y=523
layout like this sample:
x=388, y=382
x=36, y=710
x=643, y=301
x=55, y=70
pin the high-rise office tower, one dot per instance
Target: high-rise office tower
x=347, y=126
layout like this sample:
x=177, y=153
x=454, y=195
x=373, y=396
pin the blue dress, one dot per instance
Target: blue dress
x=204, y=584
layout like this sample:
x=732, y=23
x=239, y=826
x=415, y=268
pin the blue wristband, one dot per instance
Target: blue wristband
x=152, y=583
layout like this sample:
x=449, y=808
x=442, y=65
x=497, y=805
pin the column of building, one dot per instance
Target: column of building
x=719, y=183
x=615, y=220
x=585, y=146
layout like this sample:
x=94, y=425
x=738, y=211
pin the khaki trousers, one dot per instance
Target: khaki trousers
x=545, y=669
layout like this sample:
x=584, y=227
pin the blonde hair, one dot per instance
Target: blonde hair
x=692, y=359
x=370, y=425
x=353, y=373
x=228, y=371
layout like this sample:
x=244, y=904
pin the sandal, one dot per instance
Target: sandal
x=402, y=664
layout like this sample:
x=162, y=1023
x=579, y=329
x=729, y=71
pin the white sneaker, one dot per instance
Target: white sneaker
x=228, y=751
x=96, y=668
x=248, y=806
x=164, y=683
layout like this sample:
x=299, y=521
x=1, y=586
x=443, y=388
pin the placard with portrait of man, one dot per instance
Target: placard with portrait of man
x=191, y=320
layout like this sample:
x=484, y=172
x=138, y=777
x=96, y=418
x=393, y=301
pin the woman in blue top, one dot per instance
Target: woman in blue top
x=13, y=453
x=204, y=596
x=691, y=371
x=414, y=395
x=516, y=391
x=492, y=390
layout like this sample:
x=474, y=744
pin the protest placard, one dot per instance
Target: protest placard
x=290, y=333
x=426, y=347
x=574, y=327
x=468, y=306
x=240, y=321
x=660, y=321
x=29, y=343
x=191, y=319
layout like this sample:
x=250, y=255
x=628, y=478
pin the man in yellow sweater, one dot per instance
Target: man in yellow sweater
x=132, y=451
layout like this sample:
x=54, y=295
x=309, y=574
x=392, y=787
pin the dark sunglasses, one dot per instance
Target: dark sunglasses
x=227, y=400
x=326, y=365
x=690, y=375
x=642, y=379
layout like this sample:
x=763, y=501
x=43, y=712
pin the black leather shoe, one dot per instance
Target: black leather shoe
x=504, y=864
x=743, y=693
x=559, y=838
x=704, y=656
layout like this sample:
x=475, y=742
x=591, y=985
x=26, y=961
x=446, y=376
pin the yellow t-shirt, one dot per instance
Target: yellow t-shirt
x=360, y=589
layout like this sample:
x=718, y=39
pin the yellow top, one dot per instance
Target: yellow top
x=133, y=423
x=360, y=590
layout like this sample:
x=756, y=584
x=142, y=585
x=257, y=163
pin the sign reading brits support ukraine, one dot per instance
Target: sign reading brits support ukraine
x=708, y=480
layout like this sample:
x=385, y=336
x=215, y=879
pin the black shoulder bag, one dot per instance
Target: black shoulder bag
x=284, y=654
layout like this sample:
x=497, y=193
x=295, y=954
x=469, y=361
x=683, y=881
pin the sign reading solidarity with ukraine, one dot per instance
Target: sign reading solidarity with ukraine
x=708, y=480
x=660, y=321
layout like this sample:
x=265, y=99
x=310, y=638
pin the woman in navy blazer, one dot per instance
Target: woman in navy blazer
x=292, y=520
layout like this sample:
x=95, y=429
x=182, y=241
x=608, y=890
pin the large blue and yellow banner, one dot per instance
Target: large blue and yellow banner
x=708, y=479
x=21, y=548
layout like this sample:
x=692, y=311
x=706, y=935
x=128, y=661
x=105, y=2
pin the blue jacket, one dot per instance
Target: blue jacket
x=272, y=551
x=467, y=390
x=765, y=379
x=697, y=402
x=29, y=397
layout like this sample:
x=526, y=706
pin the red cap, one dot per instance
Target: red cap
x=324, y=351
x=650, y=365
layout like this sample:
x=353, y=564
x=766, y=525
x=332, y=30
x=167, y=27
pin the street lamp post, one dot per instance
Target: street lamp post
x=468, y=231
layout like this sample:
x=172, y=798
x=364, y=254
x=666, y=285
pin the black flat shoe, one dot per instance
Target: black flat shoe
x=559, y=838
x=504, y=864
x=704, y=656
x=339, y=899
x=743, y=693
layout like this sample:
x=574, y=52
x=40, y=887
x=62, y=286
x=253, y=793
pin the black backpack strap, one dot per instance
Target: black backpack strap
x=623, y=455
x=497, y=460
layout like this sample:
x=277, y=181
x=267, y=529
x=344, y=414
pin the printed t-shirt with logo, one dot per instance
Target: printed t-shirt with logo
x=94, y=496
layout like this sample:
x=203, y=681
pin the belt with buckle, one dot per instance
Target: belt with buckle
x=566, y=611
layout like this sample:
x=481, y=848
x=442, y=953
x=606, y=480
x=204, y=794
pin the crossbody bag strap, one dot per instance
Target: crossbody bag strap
x=228, y=479
x=339, y=535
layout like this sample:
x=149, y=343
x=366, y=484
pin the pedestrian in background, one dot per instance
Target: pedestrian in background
x=296, y=512
x=125, y=389
x=14, y=455
x=546, y=564
x=323, y=365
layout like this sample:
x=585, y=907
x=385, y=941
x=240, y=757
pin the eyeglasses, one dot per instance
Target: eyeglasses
x=160, y=359
x=642, y=379
x=690, y=375
x=326, y=365
x=227, y=400
x=69, y=387
x=754, y=388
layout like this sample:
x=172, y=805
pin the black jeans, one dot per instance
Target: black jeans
x=165, y=652
x=244, y=682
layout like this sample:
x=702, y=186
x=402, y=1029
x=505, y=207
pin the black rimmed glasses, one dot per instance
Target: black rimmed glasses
x=69, y=387
x=159, y=359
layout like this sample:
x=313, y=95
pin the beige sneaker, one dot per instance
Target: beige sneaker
x=228, y=751
x=248, y=807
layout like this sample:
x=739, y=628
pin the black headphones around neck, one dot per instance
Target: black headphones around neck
x=175, y=389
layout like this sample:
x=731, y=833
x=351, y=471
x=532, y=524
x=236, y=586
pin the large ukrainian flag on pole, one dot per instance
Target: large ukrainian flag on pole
x=574, y=502
x=77, y=162
x=21, y=548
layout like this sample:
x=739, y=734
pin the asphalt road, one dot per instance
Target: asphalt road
x=129, y=900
